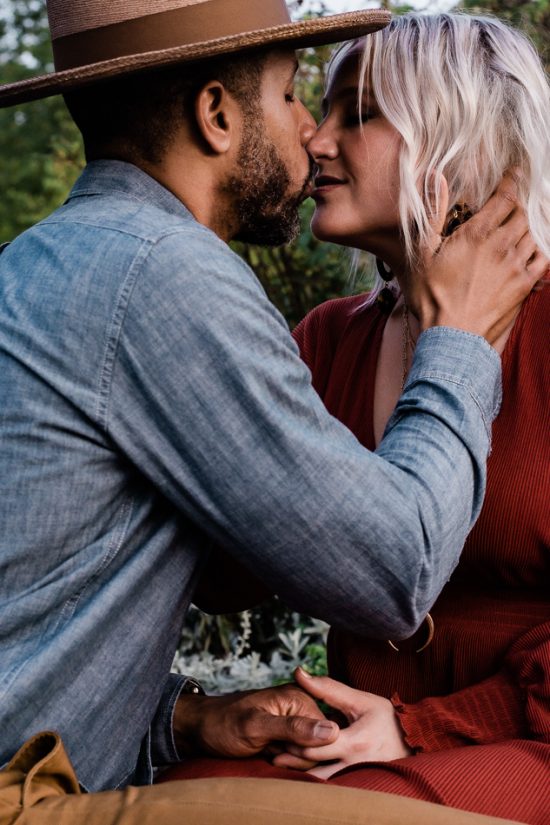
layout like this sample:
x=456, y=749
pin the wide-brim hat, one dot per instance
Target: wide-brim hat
x=94, y=40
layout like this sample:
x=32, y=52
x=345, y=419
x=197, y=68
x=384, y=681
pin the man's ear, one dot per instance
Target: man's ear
x=217, y=115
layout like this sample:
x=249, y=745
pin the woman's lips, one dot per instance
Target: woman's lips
x=326, y=183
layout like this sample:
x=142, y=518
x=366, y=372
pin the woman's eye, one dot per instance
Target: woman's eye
x=356, y=117
x=290, y=97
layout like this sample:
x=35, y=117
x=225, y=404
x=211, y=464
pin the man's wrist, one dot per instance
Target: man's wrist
x=191, y=686
x=187, y=720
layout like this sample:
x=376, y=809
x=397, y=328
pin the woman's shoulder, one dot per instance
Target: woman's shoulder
x=334, y=330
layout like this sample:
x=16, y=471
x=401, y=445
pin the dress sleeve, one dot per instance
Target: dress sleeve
x=514, y=703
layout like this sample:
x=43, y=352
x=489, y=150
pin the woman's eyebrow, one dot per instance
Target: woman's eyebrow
x=347, y=91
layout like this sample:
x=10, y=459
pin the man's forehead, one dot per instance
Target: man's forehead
x=283, y=60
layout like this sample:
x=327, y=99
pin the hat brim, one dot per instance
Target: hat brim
x=317, y=31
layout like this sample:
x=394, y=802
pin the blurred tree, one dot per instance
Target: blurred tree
x=40, y=150
x=531, y=16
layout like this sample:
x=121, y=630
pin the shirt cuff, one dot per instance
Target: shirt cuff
x=460, y=357
x=163, y=745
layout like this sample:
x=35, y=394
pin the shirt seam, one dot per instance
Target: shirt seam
x=190, y=226
x=441, y=376
x=119, y=315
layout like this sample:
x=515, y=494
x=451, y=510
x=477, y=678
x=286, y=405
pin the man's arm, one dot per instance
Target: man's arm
x=209, y=398
x=226, y=586
x=240, y=724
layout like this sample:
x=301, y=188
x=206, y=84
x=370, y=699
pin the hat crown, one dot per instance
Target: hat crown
x=67, y=18
x=96, y=40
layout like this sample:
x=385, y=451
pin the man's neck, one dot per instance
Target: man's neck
x=196, y=183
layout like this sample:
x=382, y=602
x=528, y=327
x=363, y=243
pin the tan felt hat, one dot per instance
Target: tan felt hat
x=99, y=39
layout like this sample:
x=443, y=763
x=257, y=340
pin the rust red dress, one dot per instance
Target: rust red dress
x=475, y=704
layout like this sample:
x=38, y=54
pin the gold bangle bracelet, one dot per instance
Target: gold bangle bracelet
x=431, y=630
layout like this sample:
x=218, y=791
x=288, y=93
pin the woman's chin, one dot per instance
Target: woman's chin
x=331, y=233
x=325, y=230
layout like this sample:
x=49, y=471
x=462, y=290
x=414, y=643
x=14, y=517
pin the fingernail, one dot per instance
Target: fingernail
x=304, y=672
x=324, y=730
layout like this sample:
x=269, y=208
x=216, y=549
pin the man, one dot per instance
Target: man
x=154, y=403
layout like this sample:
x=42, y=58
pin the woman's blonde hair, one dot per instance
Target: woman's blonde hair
x=470, y=99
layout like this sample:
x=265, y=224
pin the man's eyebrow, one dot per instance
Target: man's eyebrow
x=294, y=68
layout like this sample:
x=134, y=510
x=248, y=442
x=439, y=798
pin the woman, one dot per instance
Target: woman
x=444, y=101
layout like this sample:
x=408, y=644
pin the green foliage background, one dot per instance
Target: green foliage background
x=40, y=151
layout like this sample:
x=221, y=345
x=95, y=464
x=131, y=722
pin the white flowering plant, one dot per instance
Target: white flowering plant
x=254, y=649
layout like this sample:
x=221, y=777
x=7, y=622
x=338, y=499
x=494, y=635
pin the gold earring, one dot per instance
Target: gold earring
x=386, y=298
x=460, y=213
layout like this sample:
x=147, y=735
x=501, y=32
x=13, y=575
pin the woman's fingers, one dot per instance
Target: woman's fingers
x=296, y=763
x=536, y=264
x=326, y=771
x=511, y=232
x=336, y=694
x=526, y=248
x=323, y=753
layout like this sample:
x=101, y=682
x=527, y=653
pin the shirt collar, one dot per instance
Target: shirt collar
x=105, y=177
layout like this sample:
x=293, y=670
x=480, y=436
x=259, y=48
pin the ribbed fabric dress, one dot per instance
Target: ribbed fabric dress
x=475, y=704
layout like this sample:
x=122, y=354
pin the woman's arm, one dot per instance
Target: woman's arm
x=512, y=704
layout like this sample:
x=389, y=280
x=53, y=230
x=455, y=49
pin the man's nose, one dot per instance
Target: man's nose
x=307, y=124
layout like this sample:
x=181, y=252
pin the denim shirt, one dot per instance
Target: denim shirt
x=152, y=403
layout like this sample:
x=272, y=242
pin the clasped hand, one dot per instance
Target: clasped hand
x=287, y=721
x=373, y=732
x=247, y=723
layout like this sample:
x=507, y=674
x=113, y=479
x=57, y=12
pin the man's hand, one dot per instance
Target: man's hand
x=477, y=278
x=373, y=734
x=244, y=724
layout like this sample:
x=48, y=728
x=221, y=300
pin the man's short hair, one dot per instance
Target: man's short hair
x=136, y=118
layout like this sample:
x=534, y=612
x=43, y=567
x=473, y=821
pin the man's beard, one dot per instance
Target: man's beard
x=264, y=210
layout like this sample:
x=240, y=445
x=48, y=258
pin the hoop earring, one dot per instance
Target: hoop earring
x=385, y=299
x=460, y=213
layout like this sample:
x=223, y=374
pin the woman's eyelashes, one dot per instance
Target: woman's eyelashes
x=358, y=116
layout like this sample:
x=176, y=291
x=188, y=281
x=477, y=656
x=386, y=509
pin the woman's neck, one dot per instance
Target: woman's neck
x=395, y=357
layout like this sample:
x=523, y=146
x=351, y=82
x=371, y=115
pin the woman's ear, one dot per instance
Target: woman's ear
x=217, y=114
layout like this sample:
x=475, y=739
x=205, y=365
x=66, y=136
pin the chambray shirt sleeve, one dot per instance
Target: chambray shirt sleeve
x=207, y=396
x=163, y=746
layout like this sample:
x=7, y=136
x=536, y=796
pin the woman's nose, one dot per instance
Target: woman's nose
x=322, y=143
